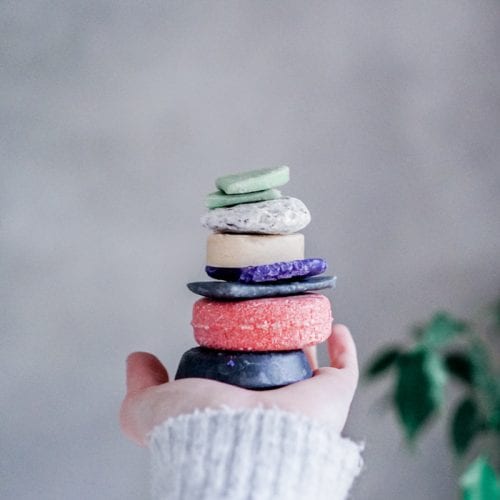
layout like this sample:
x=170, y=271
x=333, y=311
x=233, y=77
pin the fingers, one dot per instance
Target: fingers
x=342, y=350
x=327, y=395
x=311, y=353
x=144, y=370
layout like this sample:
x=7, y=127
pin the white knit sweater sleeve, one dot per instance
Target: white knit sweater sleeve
x=251, y=454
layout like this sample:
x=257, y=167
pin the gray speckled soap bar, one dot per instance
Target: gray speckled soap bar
x=269, y=272
x=226, y=290
x=251, y=370
x=281, y=216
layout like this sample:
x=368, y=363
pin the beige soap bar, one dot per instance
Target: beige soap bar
x=242, y=250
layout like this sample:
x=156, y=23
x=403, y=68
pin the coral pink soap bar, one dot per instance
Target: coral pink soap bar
x=269, y=324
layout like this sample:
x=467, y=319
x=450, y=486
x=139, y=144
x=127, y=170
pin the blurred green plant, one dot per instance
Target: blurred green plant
x=448, y=349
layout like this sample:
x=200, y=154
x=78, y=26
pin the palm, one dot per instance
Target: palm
x=327, y=396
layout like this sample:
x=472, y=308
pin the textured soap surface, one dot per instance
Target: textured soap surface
x=269, y=272
x=251, y=370
x=223, y=290
x=220, y=199
x=243, y=250
x=282, y=216
x=269, y=324
x=253, y=180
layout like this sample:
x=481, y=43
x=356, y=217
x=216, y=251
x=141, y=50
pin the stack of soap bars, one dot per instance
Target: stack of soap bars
x=260, y=313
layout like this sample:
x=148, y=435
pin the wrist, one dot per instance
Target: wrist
x=271, y=453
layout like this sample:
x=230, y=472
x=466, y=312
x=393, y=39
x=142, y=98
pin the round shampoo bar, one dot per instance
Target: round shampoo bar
x=251, y=370
x=243, y=250
x=269, y=324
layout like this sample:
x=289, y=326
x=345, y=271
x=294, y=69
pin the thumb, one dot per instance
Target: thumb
x=342, y=350
x=311, y=353
x=144, y=370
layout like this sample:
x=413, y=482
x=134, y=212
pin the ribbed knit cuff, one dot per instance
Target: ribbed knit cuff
x=252, y=454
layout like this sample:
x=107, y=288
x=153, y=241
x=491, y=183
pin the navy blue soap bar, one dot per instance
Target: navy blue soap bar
x=251, y=370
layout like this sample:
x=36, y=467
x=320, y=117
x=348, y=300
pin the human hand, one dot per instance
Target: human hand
x=327, y=396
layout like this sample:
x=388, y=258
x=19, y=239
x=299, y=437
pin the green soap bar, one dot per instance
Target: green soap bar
x=253, y=180
x=219, y=199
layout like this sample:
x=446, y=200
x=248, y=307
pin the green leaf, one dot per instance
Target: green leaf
x=465, y=425
x=460, y=366
x=484, y=377
x=494, y=420
x=479, y=482
x=419, y=389
x=382, y=362
x=441, y=329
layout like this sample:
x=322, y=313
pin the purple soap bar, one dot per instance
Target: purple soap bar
x=269, y=272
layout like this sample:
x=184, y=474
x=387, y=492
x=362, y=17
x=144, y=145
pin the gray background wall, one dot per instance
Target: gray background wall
x=115, y=119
